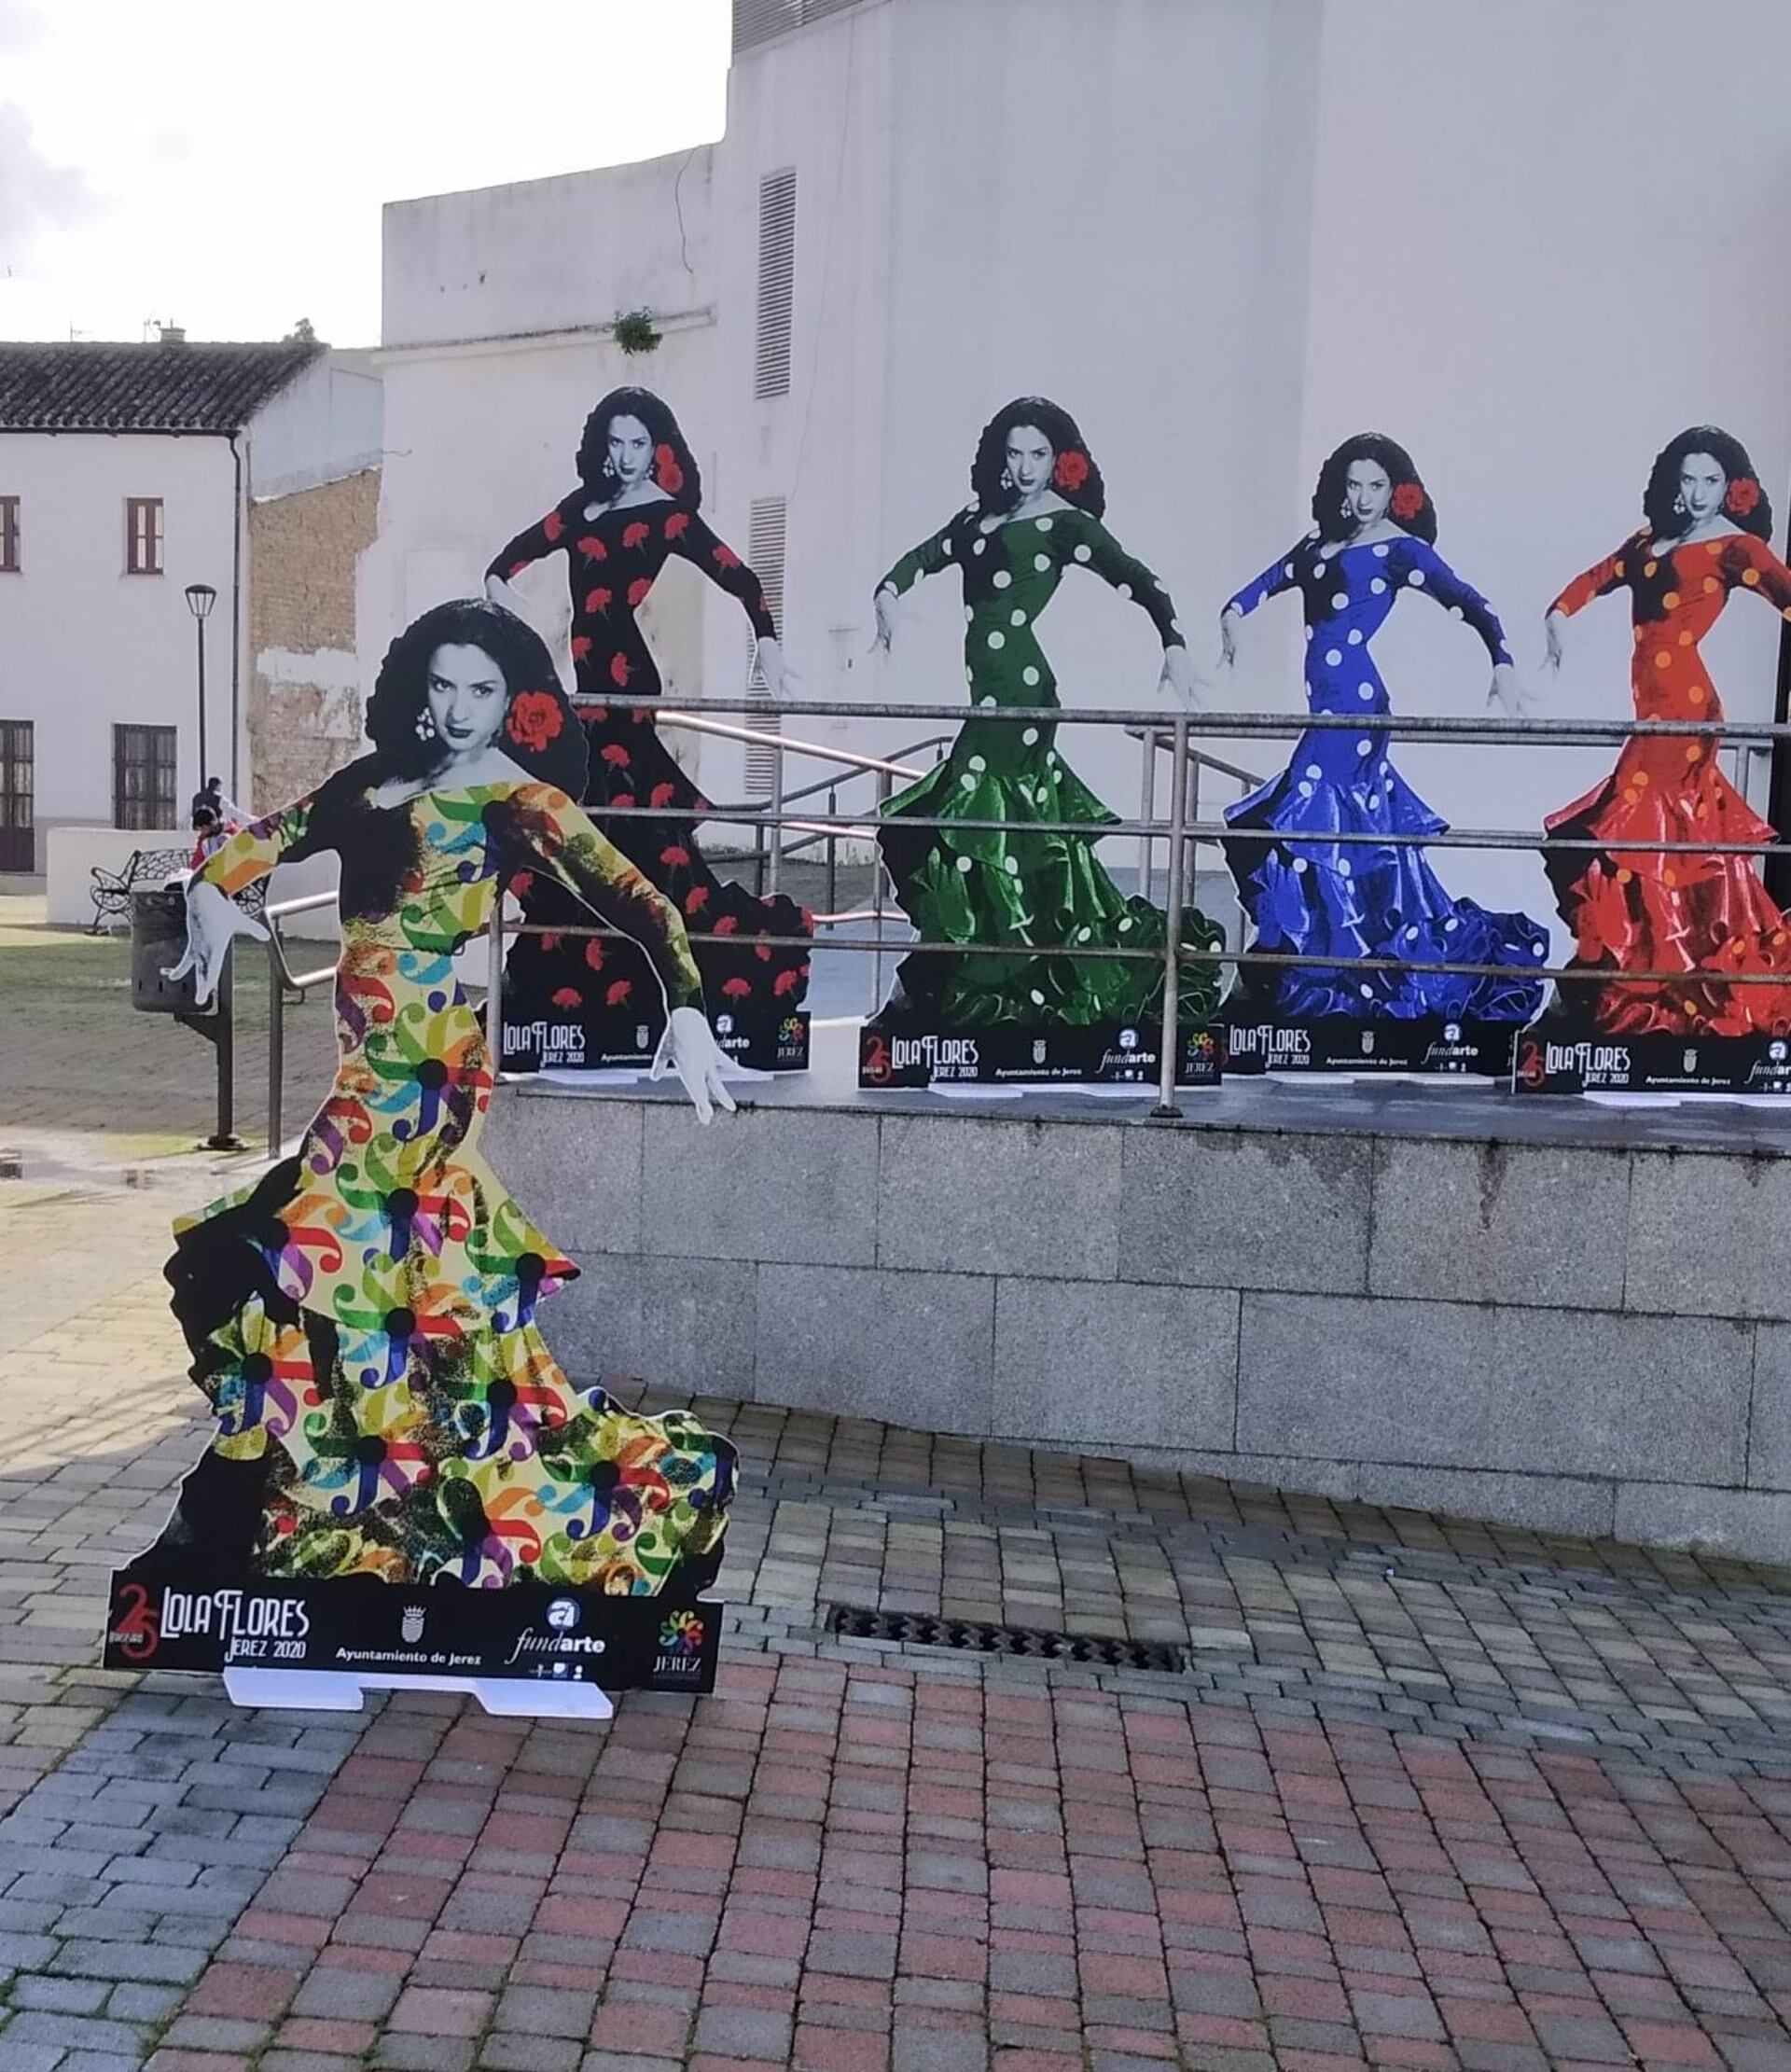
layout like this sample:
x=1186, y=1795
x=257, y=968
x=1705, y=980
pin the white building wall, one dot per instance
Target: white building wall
x=324, y=425
x=82, y=645
x=1524, y=240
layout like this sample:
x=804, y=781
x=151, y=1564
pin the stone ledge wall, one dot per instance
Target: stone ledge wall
x=1584, y=1340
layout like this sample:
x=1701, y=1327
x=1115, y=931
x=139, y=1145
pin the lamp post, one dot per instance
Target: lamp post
x=200, y=597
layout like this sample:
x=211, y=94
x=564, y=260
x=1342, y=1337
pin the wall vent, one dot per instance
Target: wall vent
x=776, y=281
x=757, y=21
x=765, y=537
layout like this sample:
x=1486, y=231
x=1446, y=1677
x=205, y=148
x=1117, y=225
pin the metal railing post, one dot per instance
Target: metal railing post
x=885, y=790
x=1166, y=1109
x=833, y=850
x=776, y=874
x=224, y=1138
x=276, y=1046
x=494, y=987
x=1148, y=810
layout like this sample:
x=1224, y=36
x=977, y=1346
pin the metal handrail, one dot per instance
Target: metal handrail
x=1157, y=732
x=283, y=978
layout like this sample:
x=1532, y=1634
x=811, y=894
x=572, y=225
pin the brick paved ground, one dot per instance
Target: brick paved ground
x=1431, y=1794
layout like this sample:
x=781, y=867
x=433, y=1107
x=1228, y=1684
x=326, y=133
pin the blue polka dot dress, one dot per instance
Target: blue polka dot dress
x=1308, y=894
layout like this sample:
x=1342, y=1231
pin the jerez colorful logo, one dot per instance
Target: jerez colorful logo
x=682, y=1634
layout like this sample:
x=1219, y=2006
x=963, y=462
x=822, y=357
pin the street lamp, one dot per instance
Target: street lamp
x=200, y=597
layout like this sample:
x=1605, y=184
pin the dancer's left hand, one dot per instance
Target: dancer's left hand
x=1509, y=693
x=1178, y=680
x=689, y=1048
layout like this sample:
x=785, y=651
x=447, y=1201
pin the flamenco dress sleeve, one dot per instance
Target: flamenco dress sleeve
x=1129, y=576
x=1427, y=571
x=253, y=852
x=1279, y=576
x=1765, y=572
x=713, y=558
x=562, y=843
x=1598, y=580
x=533, y=545
x=929, y=558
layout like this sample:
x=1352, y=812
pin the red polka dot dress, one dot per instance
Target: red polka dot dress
x=612, y=563
x=1640, y=910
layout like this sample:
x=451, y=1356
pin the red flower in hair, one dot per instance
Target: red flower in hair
x=737, y=989
x=725, y=925
x=666, y=470
x=1072, y=470
x=638, y=589
x=1407, y=500
x=674, y=856
x=598, y=600
x=552, y=525
x=580, y=646
x=593, y=548
x=567, y=997
x=635, y=535
x=619, y=992
x=660, y=795
x=1743, y=494
x=677, y=525
x=615, y=753
x=727, y=557
x=534, y=719
x=618, y=671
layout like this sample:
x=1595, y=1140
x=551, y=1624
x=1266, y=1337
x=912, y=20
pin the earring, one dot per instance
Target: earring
x=425, y=726
x=1007, y=478
x=1343, y=509
x=1679, y=505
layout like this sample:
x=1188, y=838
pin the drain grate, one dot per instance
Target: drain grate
x=1033, y=1643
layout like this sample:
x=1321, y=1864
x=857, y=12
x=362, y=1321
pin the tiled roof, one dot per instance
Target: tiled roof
x=172, y=386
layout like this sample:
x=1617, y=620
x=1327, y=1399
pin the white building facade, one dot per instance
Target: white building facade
x=127, y=474
x=1224, y=234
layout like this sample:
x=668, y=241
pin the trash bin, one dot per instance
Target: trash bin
x=158, y=942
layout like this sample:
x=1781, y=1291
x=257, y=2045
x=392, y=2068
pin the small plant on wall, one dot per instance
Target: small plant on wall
x=635, y=333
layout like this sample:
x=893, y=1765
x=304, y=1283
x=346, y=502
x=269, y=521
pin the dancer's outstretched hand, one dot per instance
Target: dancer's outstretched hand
x=1179, y=679
x=1509, y=693
x=212, y=921
x=689, y=1048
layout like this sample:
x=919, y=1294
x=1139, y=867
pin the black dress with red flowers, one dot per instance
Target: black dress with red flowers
x=573, y=994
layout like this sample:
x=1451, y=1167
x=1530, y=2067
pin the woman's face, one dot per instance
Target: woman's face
x=1367, y=492
x=1702, y=486
x=630, y=449
x=1030, y=459
x=467, y=697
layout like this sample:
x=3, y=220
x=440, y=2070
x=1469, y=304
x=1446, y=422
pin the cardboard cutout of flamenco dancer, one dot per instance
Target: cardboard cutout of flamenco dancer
x=1308, y=894
x=582, y=1000
x=1704, y=540
x=401, y=1482
x=1036, y=510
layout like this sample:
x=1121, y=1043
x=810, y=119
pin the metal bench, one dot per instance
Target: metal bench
x=148, y=868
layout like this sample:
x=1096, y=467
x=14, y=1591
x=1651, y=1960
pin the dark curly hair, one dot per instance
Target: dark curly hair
x=400, y=689
x=1327, y=498
x=1730, y=455
x=661, y=428
x=1088, y=492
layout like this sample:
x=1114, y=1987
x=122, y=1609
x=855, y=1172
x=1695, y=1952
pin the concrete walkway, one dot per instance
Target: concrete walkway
x=1426, y=1794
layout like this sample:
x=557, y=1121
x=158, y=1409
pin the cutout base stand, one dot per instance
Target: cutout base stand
x=331, y=1690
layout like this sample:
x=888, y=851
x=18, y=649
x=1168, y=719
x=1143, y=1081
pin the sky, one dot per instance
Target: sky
x=221, y=164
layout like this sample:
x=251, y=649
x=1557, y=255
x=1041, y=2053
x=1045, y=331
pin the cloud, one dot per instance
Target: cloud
x=37, y=198
x=23, y=24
